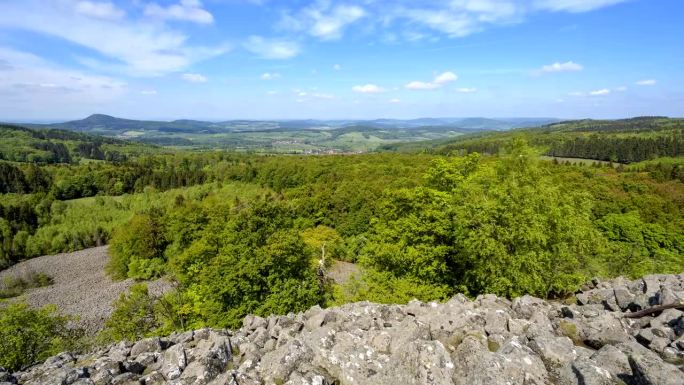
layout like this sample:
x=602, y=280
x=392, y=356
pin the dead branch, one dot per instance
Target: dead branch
x=642, y=313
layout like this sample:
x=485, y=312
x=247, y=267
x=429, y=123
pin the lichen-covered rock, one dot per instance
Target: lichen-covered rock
x=489, y=340
x=648, y=369
x=173, y=362
x=147, y=345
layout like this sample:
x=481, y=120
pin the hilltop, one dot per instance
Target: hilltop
x=598, y=338
x=621, y=141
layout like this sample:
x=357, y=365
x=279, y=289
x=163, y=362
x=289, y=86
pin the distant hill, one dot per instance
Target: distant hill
x=51, y=145
x=622, y=140
x=296, y=136
x=112, y=126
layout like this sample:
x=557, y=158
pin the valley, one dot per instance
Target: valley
x=287, y=136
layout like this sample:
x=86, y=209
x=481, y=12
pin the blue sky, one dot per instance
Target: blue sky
x=268, y=59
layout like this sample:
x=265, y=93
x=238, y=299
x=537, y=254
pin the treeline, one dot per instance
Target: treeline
x=26, y=145
x=80, y=181
x=59, y=134
x=93, y=150
x=40, y=188
x=620, y=149
x=325, y=188
x=642, y=124
x=17, y=221
x=623, y=141
x=29, y=179
x=57, y=152
x=664, y=170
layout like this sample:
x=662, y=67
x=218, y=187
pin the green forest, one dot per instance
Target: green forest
x=246, y=234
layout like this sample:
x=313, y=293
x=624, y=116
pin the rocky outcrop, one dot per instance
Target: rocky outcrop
x=489, y=340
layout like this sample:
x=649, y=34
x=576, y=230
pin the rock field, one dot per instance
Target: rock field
x=489, y=340
x=81, y=288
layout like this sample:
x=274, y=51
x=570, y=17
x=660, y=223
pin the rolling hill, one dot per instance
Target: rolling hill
x=622, y=141
x=289, y=136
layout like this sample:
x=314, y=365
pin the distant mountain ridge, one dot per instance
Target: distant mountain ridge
x=112, y=126
x=306, y=136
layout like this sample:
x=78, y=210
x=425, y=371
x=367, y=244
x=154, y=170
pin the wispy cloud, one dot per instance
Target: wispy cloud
x=601, y=92
x=270, y=76
x=437, y=82
x=185, y=10
x=395, y=101
x=646, y=82
x=418, y=85
x=445, y=77
x=194, y=78
x=312, y=94
x=568, y=66
x=135, y=47
x=466, y=90
x=100, y=9
x=337, y=67
x=272, y=48
x=573, y=5
x=323, y=19
x=368, y=89
x=27, y=80
x=326, y=20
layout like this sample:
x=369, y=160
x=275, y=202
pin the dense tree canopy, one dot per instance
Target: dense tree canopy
x=241, y=233
x=28, y=336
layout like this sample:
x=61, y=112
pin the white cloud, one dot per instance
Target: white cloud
x=270, y=76
x=185, y=10
x=463, y=17
x=194, y=78
x=573, y=5
x=414, y=36
x=621, y=89
x=445, y=77
x=101, y=10
x=323, y=20
x=337, y=67
x=466, y=90
x=417, y=20
x=418, y=85
x=395, y=101
x=137, y=48
x=306, y=95
x=576, y=93
x=272, y=49
x=148, y=92
x=437, y=82
x=646, y=82
x=601, y=92
x=28, y=82
x=368, y=89
x=568, y=66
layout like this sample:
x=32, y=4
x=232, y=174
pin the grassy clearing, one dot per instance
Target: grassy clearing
x=586, y=162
